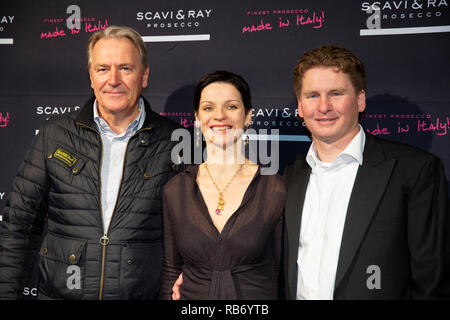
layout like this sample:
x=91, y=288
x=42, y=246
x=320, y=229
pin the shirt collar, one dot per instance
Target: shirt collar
x=134, y=126
x=353, y=152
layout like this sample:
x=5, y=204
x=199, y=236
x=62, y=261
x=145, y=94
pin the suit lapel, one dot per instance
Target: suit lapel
x=368, y=189
x=297, y=178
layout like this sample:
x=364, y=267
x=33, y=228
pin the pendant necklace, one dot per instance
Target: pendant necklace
x=221, y=202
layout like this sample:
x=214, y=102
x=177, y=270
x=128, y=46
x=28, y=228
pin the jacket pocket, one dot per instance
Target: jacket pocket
x=59, y=157
x=140, y=274
x=62, y=266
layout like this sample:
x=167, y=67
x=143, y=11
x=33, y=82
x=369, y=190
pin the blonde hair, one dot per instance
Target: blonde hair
x=331, y=56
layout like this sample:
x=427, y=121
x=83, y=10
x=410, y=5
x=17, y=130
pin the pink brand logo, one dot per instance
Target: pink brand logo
x=88, y=28
x=4, y=119
x=305, y=18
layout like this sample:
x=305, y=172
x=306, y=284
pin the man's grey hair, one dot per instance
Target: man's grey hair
x=118, y=32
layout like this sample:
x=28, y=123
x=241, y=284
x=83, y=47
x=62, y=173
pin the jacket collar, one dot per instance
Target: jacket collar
x=368, y=190
x=86, y=115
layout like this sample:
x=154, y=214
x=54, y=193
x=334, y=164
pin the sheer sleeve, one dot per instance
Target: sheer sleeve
x=172, y=266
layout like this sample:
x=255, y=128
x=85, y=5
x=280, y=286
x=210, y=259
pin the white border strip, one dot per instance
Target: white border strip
x=414, y=30
x=281, y=137
x=175, y=38
x=7, y=41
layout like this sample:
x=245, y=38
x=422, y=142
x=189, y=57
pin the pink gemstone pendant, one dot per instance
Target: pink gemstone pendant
x=218, y=212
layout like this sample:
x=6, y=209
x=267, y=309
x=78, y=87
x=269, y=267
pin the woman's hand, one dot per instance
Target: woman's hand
x=176, y=288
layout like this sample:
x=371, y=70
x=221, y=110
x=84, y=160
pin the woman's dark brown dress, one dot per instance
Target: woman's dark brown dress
x=242, y=262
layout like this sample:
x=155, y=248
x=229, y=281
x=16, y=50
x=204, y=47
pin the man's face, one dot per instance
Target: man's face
x=117, y=76
x=329, y=105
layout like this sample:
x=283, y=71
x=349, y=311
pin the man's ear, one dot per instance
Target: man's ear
x=145, y=77
x=299, y=107
x=361, y=101
x=90, y=78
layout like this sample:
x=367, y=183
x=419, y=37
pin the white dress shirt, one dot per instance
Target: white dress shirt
x=114, y=148
x=324, y=211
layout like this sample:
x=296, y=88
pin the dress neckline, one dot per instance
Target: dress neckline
x=193, y=171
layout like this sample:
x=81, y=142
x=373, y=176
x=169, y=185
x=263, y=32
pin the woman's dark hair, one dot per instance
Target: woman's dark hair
x=228, y=77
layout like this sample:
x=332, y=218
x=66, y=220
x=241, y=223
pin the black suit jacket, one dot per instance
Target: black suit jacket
x=397, y=219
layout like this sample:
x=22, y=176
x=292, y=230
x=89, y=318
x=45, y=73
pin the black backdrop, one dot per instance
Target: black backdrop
x=405, y=49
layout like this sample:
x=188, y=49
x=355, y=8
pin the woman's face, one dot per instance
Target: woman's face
x=221, y=114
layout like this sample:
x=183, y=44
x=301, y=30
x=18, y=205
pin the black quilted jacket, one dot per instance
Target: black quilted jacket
x=60, y=178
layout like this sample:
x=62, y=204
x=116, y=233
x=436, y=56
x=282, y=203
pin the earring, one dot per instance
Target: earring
x=246, y=137
x=197, y=133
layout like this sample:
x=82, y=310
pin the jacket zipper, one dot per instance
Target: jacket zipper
x=104, y=240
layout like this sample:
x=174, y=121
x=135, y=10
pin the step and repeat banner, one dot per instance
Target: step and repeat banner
x=405, y=46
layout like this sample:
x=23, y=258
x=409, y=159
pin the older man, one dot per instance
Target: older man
x=97, y=175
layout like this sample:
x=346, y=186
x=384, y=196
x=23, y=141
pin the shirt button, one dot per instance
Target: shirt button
x=49, y=155
x=72, y=257
x=146, y=175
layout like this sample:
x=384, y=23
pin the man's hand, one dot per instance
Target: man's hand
x=176, y=288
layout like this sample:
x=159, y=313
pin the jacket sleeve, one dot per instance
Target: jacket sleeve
x=429, y=233
x=22, y=220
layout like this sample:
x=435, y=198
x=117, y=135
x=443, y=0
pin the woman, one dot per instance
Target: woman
x=222, y=219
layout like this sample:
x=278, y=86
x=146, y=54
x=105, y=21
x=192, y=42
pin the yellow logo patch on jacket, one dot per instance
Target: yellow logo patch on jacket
x=65, y=157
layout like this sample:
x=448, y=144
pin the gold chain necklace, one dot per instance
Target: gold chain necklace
x=221, y=202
